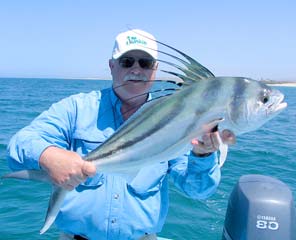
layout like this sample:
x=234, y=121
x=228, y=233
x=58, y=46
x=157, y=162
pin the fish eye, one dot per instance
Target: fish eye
x=265, y=99
x=264, y=96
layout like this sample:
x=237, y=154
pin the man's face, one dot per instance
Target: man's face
x=130, y=79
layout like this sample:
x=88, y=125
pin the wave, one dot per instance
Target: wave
x=3, y=146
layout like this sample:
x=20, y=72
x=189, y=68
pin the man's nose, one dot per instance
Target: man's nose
x=136, y=68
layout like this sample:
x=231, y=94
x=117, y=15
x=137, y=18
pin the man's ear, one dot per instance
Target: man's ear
x=111, y=64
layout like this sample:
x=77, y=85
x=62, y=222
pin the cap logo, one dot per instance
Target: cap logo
x=135, y=40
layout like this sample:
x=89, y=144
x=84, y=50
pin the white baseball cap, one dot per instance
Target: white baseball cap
x=134, y=40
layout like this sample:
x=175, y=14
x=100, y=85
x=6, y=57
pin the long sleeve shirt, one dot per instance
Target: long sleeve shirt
x=108, y=206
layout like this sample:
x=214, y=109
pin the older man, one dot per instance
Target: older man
x=108, y=206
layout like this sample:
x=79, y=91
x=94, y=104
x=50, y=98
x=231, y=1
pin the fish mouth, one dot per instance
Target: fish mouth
x=278, y=105
x=281, y=106
x=136, y=80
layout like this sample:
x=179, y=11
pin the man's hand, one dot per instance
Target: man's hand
x=66, y=168
x=210, y=142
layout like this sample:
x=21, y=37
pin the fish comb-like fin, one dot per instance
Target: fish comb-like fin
x=186, y=79
x=187, y=72
x=194, y=66
x=186, y=64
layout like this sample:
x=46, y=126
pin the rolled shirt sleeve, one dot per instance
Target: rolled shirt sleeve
x=196, y=177
x=51, y=128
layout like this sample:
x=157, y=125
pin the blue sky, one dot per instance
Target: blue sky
x=74, y=39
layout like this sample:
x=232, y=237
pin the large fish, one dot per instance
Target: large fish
x=162, y=129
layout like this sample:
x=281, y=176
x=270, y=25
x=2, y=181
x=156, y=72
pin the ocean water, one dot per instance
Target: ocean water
x=270, y=151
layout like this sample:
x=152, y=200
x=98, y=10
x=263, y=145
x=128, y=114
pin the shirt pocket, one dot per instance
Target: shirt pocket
x=149, y=179
x=83, y=143
x=91, y=182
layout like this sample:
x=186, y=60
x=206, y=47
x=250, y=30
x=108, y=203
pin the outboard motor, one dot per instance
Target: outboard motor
x=260, y=208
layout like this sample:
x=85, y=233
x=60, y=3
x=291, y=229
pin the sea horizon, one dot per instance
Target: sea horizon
x=282, y=83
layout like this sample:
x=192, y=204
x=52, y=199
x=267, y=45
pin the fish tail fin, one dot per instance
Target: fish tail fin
x=56, y=200
x=37, y=175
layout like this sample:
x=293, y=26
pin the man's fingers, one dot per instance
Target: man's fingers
x=211, y=141
x=77, y=176
x=228, y=137
x=73, y=182
x=68, y=187
x=207, y=142
x=88, y=169
x=215, y=139
x=194, y=141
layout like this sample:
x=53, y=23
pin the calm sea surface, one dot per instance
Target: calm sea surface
x=268, y=151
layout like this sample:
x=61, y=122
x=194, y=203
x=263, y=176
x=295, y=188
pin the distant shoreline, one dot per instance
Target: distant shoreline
x=282, y=84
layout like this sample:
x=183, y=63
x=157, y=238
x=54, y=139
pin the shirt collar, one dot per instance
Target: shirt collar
x=116, y=104
x=115, y=100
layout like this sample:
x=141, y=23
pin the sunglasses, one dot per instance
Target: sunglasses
x=145, y=63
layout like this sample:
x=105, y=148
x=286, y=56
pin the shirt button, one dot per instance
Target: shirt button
x=113, y=220
x=116, y=196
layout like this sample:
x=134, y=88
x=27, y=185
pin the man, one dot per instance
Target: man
x=109, y=206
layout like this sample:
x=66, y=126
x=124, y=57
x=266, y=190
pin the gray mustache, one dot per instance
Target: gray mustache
x=133, y=77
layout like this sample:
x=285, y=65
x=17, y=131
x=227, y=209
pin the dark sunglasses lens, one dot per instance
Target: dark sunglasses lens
x=146, y=63
x=126, y=62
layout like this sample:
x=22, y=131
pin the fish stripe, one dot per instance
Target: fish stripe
x=128, y=127
x=173, y=113
x=239, y=91
x=212, y=90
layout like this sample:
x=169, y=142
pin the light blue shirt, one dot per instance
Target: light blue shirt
x=107, y=206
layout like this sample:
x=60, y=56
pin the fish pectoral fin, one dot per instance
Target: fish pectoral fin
x=56, y=200
x=37, y=175
x=223, y=149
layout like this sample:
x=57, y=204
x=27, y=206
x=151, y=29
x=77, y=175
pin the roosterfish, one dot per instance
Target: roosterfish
x=163, y=128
